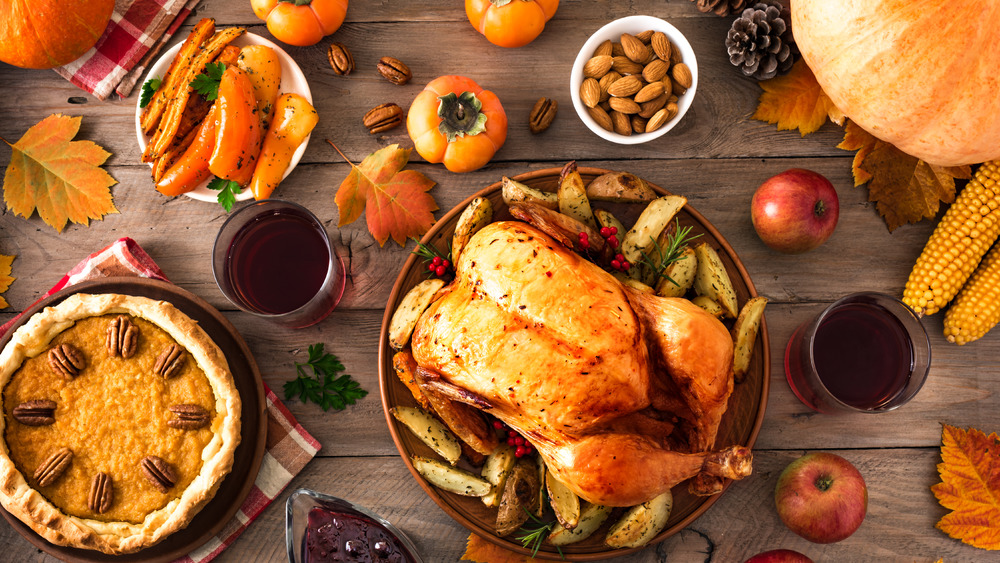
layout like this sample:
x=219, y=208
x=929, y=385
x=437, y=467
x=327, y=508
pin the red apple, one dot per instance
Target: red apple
x=795, y=211
x=779, y=556
x=821, y=497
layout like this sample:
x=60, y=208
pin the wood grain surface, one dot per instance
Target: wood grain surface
x=715, y=157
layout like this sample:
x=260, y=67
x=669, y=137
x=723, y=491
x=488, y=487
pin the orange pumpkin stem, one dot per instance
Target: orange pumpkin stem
x=460, y=115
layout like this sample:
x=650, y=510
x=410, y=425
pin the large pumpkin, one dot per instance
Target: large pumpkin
x=50, y=33
x=920, y=74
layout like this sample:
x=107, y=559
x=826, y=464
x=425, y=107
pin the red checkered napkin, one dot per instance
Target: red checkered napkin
x=134, y=37
x=289, y=447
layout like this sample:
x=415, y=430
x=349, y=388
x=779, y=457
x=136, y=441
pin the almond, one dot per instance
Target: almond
x=638, y=124
x=621, y=123
x=603, y=49
x=675, y=55
x=658, y=120
x=661, y=45
x=606, y=81
x=681, y=74
x=590, y=92
x=624, y=105
x=597, y=66
x=672, y=110
x=645, y=36
x=616, y=49
x=626, y=65
x=625, y=86
x=649, y=91
x=654, y=70
x=634, y=48
x=647, y=109
x=601, y=117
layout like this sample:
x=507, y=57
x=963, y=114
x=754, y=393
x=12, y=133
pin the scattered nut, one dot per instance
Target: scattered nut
x=53, y=467
x=39, y=412
x=340, y=58
x=67, y=360
x=544, y=113
x=101, y=493
x=382, y=118
x=189, y=417
x=123, y=336
x=158, y=472
x=394, y=70
x=169, y=362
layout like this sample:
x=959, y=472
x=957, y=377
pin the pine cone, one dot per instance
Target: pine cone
x=760, y=41
x=721, y=7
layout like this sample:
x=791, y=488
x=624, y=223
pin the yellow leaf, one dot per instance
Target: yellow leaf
x=970, y=487
x=5, y=278
x=795, y=101
x=857, y=139
x=479, y=550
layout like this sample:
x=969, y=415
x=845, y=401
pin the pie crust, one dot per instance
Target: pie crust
x=118, y=537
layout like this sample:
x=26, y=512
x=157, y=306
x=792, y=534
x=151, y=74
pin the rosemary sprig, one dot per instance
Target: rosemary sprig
x=532, y=537
x=430, y=253
x=677, y=243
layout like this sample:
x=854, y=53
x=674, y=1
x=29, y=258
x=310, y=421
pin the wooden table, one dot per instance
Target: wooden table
x=716, y=157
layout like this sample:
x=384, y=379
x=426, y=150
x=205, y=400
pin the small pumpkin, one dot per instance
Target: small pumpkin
x=920, y=74
x=50, y=33
x=301, y=22
x=455, y=121
x=510, y=23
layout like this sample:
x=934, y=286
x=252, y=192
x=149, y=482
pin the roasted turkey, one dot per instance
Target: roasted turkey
x=621, y=392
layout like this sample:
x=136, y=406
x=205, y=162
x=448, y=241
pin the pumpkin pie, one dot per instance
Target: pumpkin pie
x=120, y=421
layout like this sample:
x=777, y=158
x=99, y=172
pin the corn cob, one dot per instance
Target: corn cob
x=965, y=233
x=977, y=308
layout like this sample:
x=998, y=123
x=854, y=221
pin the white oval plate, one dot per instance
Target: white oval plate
x=292, y=80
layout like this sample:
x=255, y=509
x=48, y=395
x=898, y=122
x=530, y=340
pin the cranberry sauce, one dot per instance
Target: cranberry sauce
x=339, y=536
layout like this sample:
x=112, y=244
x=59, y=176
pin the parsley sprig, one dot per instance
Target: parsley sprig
x=149, y=88
x=663, y=256
x=207, y=83
x=319, y=381
x=227, y=192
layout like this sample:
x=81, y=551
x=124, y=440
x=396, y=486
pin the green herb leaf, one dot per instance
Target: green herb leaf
x=207, y=83
x=227, y=192
x=532, y=537
x=677, y=243
x=428, y=253
x=148, y=89
x=320, y=381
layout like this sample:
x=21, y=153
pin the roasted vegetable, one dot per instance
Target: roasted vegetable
x=678, y=276
x=651, y=222
x=572, y=196
x=262, y=66
x=519, y=499
x=712, y=279
x=620, y=186
x=592, y=516
x=294, y=119
x=496, y=469
x=958, y=243
x=475, y=216
x=409, y=310
x=173, y=80
x=745, y=335
x=516, y=192
x=430, y=431
x=406, y=367
x=449, y=478
x=237, y=129
x=977, y=308
x=710, y=305
x=641, y=523
x=565, y=503
x=465, y=421
x=191, y=169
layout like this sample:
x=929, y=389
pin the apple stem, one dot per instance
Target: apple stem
x=820, y=208
x=823, y=483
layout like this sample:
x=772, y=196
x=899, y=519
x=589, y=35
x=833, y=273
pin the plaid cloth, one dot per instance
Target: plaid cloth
x=288, y=448
x=134, y=37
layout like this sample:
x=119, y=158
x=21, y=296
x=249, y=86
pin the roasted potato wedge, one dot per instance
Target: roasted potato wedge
x=519, y=498
x=620, y=186
x=637, y=285
x=496, y=469
x=542, y=494
x=465, y=421
x=710, y=305
x=452, y=479
x=410, y=308
x=712, y=279
x=592, y=516
x=651, y=222
x=572, y=197
x=430, y=431
x=745, y=335
x=678, y=276
x=516, y=192
x=641, y=523
x=475, y=216
x=564, y=502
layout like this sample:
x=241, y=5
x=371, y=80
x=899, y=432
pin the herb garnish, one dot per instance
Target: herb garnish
x=532, y=538
x=677, y=242
x=323, y=385
x=227, y=192
x=207, y=83
x=148, y=89
x=438, y=264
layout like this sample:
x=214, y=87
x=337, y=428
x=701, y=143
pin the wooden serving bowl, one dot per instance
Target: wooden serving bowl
x=740, y=424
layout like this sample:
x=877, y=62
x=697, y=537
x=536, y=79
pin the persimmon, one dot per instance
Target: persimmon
x=510, y=23
x=301, y=22
x=456, y=122
x=50, y=33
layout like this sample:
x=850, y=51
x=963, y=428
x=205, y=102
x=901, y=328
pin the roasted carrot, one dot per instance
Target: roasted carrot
x=171, y=81
x=294, y=119
x=191, y=168
x=237, y=129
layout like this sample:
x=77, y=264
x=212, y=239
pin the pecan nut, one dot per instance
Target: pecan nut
x=101, y=493
x=67, y=360
x=53, y=467
x=394, y=70
x=340, y=58
x=158, y=472
x=543, y=114
x=189, y=417
x=40, y=412
x=169, y=362
x=123, y=336
x=383, y=117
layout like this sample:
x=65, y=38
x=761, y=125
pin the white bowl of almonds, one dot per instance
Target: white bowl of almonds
x=634, y=79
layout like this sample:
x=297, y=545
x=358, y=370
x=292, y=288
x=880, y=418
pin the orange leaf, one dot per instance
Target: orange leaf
x=970, y=487
x=5, y=277
x=395, y=201
x=795, y=101
x=59, y=178
x=481, y=551
x=857, y=139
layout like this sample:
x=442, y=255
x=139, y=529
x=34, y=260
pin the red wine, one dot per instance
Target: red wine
x=863, y=355
x=278, y=262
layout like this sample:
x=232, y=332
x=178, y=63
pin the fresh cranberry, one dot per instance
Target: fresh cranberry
x=440, y=271
x=616, y=264
x=497, y=425
x=436, y=261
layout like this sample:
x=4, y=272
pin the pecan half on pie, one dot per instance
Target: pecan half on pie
x=120, y=421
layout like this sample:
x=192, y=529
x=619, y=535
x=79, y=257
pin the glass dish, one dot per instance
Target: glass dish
x=302, y=501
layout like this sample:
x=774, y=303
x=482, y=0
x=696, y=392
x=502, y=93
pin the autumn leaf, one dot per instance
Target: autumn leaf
x=5, y=277
x=59, y=178
x=481, y=551
x=796, y=101
x=395, y=201
x=857, y=139
x=970, y=487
